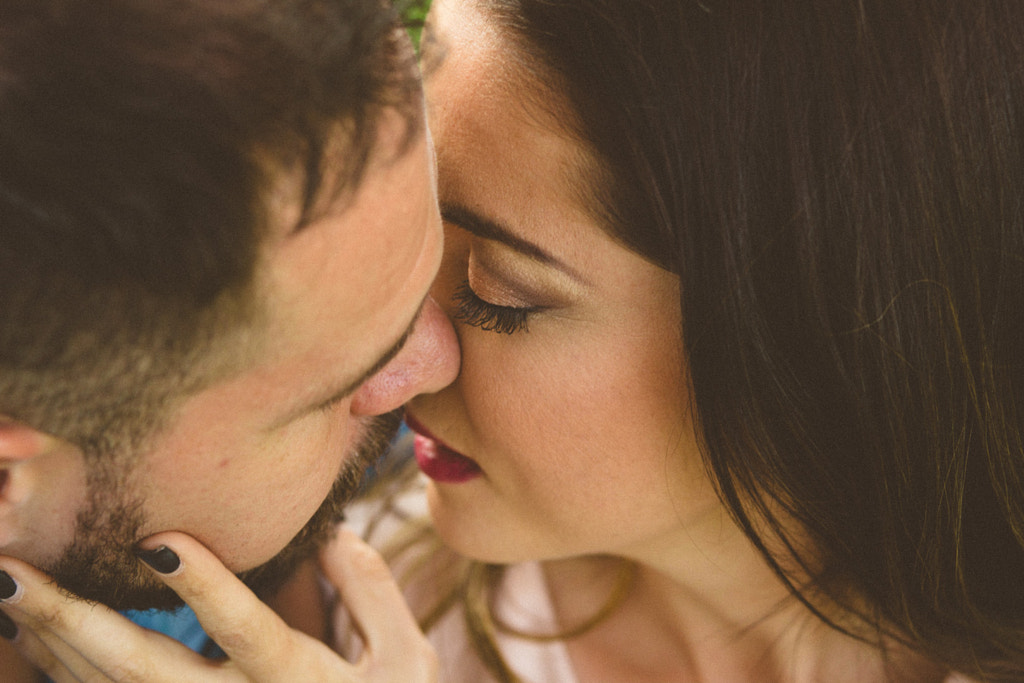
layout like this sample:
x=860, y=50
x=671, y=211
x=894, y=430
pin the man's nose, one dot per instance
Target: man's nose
x=427, y=363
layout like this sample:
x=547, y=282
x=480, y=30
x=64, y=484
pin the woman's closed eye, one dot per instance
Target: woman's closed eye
x=474, y=311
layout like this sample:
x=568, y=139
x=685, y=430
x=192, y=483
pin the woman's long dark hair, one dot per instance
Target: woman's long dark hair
x=840, y=187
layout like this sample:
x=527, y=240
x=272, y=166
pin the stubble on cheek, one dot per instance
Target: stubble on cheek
x=99, y=564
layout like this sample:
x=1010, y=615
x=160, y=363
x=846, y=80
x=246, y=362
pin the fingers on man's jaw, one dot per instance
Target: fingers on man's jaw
x=161, y=559
x=42, y=620
x=31, y=597
x=10, y=592
x=246, y=629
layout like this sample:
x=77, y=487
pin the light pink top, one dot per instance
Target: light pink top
x=523, y=602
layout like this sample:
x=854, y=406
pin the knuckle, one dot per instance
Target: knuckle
x=236, y=641
x=242, y=629
x=244, y=641
x=65, y=614
x=48, y=618
x=124, y=674
x=129, y=669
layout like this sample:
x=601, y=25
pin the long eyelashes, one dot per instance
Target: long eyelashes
x=474, y=311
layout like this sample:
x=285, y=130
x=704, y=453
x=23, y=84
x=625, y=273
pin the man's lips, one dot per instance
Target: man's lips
x=437, y=460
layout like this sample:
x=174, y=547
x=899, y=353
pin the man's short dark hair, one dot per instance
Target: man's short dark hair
x=138, y=143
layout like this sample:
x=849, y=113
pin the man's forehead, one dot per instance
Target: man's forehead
x=323, y=187
x=343, y=292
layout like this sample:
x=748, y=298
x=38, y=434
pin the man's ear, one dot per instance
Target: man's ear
x=43, y=481
x=20, y=442
x=20, y=446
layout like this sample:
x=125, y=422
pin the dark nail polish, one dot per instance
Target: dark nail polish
x=8, y=629
x=161, y=559
x=8, y=587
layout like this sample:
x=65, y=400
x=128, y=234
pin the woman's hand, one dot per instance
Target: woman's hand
x=73, y=640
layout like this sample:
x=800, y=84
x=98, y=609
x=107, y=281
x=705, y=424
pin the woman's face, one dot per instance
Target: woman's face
x=571, y=404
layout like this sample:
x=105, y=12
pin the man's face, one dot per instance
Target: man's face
x=246, y=463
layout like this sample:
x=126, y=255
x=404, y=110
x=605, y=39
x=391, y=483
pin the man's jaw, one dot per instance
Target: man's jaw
x=100, y=566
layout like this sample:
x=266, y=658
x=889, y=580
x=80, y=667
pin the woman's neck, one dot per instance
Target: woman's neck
x=707, y=608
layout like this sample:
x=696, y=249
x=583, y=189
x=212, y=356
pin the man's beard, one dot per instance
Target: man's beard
x=99, y=564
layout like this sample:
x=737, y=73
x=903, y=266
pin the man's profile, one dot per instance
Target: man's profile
x=217, y=232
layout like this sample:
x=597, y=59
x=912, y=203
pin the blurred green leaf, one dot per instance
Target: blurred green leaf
x=414, y=12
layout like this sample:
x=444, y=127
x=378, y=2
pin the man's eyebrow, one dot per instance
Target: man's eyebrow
x=350, y=387
x=490, y=229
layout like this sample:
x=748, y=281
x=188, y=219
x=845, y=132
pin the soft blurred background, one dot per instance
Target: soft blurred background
x=414, y=13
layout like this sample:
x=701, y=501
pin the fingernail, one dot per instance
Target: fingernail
x=8, y=586
x=162, y=559
x=8, y=629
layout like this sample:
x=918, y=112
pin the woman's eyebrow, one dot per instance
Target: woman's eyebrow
x=490, y=229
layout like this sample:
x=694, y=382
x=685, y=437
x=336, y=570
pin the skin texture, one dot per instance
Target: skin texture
x=578, y=418
x=578, y=421
x=72, y=640
x=246, y=462
x=351, y=335
x=579, y=414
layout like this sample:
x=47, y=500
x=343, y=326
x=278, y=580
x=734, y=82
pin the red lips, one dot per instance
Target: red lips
x=437, y=460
